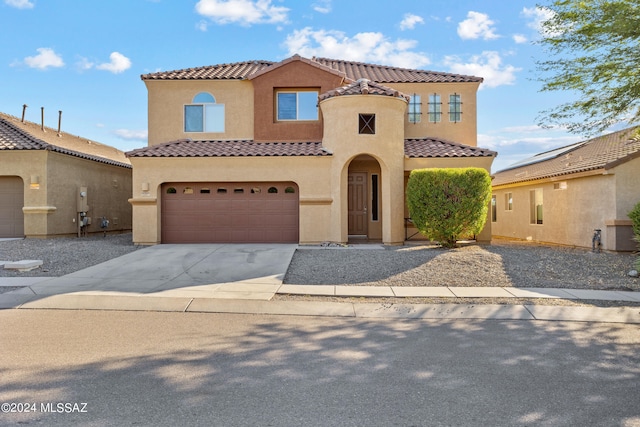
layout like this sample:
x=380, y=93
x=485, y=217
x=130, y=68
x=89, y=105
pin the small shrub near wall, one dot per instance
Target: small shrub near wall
x=448, y=204
x=634, y=215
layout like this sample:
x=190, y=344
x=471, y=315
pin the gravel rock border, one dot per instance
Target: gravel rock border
x=64, y=255
x=503, y=263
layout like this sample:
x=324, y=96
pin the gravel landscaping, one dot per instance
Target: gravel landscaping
x=64, y=255
x=503, y=263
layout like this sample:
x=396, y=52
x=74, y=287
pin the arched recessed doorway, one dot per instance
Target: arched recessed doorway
x=364, y=198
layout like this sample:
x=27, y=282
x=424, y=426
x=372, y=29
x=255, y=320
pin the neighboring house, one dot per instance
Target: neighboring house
x=42, y=173
x=302, y=150
x=563, y=195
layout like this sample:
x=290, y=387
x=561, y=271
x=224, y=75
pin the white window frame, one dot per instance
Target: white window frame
x=215, y=123
x=297, y=93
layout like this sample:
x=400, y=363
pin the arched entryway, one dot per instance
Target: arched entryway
x=364, y=198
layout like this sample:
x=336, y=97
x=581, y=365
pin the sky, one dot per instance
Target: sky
x=85, y=58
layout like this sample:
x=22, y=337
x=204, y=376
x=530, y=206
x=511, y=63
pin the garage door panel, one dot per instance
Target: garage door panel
x=230, y=212
x=12, y=201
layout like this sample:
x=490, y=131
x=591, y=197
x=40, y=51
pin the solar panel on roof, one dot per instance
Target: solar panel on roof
x=547, y=155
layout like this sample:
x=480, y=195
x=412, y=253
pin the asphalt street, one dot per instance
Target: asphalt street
x=103, y=368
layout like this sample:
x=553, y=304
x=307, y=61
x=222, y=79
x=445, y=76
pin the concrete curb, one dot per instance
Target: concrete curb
x=323, y=308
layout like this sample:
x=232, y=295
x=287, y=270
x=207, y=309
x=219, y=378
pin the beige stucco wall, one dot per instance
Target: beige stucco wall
x=50, y=206
x=28, y=164
x=619, y=229
x=570, y=215
x=167, y=98
x=627, y=187
x=464, y=132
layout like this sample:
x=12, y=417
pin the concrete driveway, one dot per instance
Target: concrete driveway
x=234, y=271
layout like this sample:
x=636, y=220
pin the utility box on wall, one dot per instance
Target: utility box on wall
x=81, y=197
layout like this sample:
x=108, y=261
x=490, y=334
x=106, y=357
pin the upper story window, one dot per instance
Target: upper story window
x=435, y=108
x=415, y=108
x=297, y=105
x=203, y=114
x=366, y=124
x=455, y=108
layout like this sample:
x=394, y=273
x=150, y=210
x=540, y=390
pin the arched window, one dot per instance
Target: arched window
x=204, y=114
x=204, y=98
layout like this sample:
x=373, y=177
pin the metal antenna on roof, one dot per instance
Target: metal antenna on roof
x=24, y=109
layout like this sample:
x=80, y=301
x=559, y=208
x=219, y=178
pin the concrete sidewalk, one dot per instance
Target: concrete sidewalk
x=245, y=278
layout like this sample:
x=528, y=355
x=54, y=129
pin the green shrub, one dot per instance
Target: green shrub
x=634, y=215
x=447, y=204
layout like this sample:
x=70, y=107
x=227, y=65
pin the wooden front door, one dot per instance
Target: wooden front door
x=358, y=203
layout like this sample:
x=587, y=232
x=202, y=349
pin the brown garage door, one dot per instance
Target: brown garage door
x=230, y=212
x=12, y=197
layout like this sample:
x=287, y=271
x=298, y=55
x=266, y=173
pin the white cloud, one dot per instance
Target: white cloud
x=536, y=16
x=244, y=12
x=45, y=58
x=363, y=47
x=202, y=25
x=137, y=135
x=322, y=6
x=519, y=38
x=20, y=4
x=118, y=64
x=476, y=26
x=409, y=21
x=487, y=65
x=84, y=64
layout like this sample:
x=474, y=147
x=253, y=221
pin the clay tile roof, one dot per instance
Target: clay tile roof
x=603, y=152
x=18, y=135
x=386, y=74
x=352, y=70
x=363, y=87
x=191, y=148
x=432, y=147
x=234, y=71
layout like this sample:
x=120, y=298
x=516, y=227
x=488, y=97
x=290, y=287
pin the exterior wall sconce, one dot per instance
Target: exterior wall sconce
x=35, y=182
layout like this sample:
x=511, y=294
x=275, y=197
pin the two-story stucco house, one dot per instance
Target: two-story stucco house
x=302, y=150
